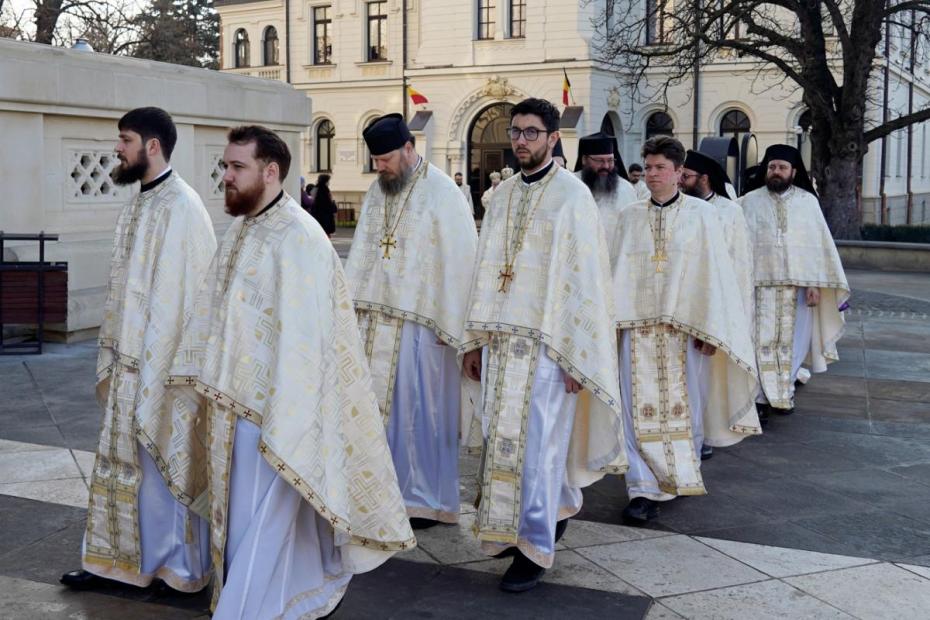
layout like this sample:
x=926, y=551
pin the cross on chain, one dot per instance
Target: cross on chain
x=505, y=275
x=388, y=243
x=658, y=258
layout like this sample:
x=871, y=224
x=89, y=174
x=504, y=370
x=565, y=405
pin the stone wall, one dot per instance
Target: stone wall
x=58, y=113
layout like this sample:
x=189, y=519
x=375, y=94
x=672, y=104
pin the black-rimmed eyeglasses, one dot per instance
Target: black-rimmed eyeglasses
x=530, y=133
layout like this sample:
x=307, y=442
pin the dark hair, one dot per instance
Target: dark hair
x=458, y=174
x=667, y=146
x=268, y=146
x=540, y=107
x=636, y=168
x=151, y=123
x=323, y=180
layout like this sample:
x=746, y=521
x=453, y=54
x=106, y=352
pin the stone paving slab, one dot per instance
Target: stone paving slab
x=401, y=590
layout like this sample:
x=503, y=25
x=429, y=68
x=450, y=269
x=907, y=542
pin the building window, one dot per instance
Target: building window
x=325, y=133
x=658, y=21
x=659, y=124
x=487, y=9
x=241, y=47
x=735, y=123
x=270, y=46
x=518, y=19
x=322, y=43
x=377, y=30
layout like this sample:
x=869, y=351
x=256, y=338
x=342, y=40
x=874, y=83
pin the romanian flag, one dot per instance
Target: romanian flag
x=416, y=96
x=566, y=88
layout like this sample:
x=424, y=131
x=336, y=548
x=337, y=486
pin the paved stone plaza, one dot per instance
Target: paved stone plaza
x=827, y=515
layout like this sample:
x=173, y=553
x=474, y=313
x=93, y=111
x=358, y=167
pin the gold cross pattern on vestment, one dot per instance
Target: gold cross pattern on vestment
x=388, y=243
x=505, y=275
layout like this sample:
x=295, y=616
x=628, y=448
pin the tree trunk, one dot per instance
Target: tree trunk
x=46, y=16
x=839, y=196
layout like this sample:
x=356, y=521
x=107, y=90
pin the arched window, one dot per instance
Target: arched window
x=270, y=46
x=735, y=123
x=325, y=133
x=659, y=124
x=241, y=48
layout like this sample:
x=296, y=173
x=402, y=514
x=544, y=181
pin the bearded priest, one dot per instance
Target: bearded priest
x=139, y=523
x=540, y=338
x=301, y=492
x=678, y=307
x=601, y=168
x=409, y=270
x=799, y=279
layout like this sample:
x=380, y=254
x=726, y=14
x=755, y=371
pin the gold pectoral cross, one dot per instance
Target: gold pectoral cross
x=505, y=275
x=388, y=243
x=658, y=258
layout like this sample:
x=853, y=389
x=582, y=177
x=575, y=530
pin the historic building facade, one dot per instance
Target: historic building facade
x=474, y=58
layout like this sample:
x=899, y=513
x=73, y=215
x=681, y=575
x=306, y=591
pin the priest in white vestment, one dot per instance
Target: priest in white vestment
x=465, y=189
x=702, y=177
x=486, y=196
x=139, y=524
x=679, y=307
x=799, y=279
x=601, y=168
x=409, y=270
x=639, y=185
x=301, y=490
x=540, y=338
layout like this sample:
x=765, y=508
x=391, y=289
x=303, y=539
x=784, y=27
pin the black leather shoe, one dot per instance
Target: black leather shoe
x=640, y=510
x=706, y=452
x=419, y=523
x=763, y=411
x=560, y=528
x=82, y=580
x=524, y=574
x=783, y=411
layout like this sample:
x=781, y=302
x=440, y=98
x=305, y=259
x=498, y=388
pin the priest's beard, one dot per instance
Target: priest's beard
x=777, y=184
x=600, y=184
x=531, y=160
x=126, y=173
x=244, y=200
x=392, y=184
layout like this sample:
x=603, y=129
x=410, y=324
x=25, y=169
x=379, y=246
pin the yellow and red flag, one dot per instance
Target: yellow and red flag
x=566, y=88
x=416, y=96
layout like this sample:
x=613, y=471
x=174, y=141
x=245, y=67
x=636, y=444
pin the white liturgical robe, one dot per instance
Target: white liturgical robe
x=139, y=525
x=609, y=207
x=409, y=270
x=793, y=250
x=540, y=310
x=302, y=491
x=674, y=284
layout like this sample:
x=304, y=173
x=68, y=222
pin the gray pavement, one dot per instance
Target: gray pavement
x=847, y=475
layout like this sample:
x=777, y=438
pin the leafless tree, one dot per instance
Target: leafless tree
x=833, y=51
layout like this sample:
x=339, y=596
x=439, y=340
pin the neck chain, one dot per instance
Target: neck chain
x=392, y=220
x=660, y=229
x=513, y=243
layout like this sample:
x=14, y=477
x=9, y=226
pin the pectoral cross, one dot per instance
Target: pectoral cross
x=505, y=275
x=388, y=243
x=658, y=258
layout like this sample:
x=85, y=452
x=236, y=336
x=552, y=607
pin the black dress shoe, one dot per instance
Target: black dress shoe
x=82, y=580
x=560, y=528
x=640, y=510
x=783, y=411
x=706, y=452
x=524, y=574
x=763, y=411
x=419, y=523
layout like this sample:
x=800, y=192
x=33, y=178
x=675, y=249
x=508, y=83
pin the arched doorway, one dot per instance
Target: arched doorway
x=488, y=149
